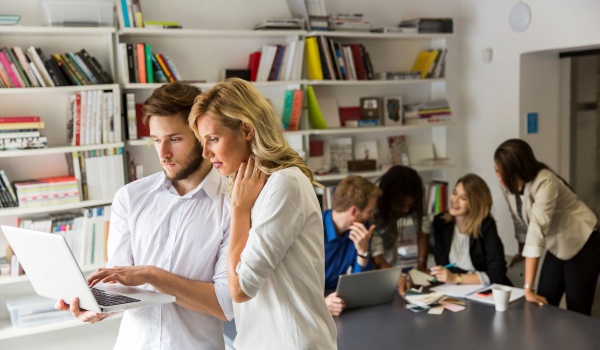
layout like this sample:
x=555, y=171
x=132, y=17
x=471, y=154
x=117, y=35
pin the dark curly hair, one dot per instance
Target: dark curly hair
x=399, y=184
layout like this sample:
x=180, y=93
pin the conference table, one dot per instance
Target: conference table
x=523, y=326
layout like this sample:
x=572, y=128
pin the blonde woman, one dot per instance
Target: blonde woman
x=466, y=237
x=275, y=264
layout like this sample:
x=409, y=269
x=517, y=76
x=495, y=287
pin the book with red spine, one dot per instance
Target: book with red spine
x=19, y=119
x=253, y=62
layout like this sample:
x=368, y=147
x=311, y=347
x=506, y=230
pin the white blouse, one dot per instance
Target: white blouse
x=459, y=253
x=282, y=270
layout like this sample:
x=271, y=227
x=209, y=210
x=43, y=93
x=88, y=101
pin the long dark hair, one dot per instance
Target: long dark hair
x=398, y=184
x=515, y=160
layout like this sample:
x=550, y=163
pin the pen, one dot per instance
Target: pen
x=447, y=266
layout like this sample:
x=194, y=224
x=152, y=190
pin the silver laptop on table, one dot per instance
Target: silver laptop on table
x=368, y=288
x=54, y=273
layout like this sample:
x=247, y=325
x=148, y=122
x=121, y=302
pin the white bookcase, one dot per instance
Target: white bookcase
x=215, y=37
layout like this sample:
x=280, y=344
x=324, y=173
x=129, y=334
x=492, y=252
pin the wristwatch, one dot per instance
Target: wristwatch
x=458, y=278
x=529, y=286
x=366, y=256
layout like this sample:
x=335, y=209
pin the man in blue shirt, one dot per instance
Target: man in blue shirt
x=347, y=234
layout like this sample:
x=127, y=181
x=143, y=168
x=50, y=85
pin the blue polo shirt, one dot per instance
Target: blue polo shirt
x=340, y=253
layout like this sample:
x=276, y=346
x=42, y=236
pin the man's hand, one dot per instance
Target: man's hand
x=335, y=304
x=83, y=315
x=361, y=236
x=125, y=275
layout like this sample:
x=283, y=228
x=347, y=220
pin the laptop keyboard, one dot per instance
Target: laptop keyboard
x=109, y=299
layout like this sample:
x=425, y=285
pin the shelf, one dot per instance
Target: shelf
x=209, y=33
x=74, y=88
x=57, y=150
x=54, y=208
x=377, y=173
x=369, y=35
x=52, y=31
x=374, y=82
x=370, y=130
x=8, y=332
x=208, y=85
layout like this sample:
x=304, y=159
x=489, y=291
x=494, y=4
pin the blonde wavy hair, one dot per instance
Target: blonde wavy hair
x=236, y=102
x=480, y=203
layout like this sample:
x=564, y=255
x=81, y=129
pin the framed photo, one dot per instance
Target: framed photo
x=392, y=110
x=370, y=108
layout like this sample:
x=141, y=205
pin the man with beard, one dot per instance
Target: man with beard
x=169, y=232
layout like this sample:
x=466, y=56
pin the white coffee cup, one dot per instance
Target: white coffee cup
x=501, y=297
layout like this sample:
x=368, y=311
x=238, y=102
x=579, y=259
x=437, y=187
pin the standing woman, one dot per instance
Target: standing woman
x=545, y=208
x=466, y=234
x=275, y=264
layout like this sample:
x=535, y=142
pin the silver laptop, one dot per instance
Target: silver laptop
x=54, y=273
x=368, y=288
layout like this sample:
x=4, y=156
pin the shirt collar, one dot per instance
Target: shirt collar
x=211, y=184
x=330, y=227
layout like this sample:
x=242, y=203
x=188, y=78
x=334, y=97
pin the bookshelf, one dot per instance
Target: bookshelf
x=214, y=38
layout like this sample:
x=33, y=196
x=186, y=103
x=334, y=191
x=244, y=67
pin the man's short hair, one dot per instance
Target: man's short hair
x=173, y=99
x=354, y=191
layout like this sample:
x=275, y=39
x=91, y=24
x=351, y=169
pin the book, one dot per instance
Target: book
x=314, y=111
x=148, y=62
x=313, y=60
x=19, y=119
x=23, y=125
x=296, y=112
x=253, y=62
x=95, y=66
x=371, y=108
x=424, y=62
x=141, y=62
x=398, y=150
x=392, y=110
x=287, y=108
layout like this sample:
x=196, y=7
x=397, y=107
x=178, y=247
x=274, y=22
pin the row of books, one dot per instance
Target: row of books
x=277, y=62
x=140, y=65
x=329, y=60
x=85, y=230
x=134, y=115
x=292, y=109
x=431, y=63
x=437, y=197
x=99, y=173
x=131, y=10
x=21, y=132
x=47, y=191
x=32, y=68
x=92, y=118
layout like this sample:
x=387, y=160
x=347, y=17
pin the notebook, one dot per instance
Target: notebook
x=54, y=273
x=515, y=294
x=368, y=288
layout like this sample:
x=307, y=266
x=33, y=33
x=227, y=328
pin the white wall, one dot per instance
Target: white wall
x=491, y=106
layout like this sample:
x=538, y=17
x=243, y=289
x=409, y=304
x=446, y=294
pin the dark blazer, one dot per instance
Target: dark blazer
x=487, y=251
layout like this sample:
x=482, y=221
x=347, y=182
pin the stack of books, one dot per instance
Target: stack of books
x=47, y=191
x=437, y=197
x=429, y=25
x=21, y=132
x=32, y=68
x=280, y=23
x=427, y=112
x=349, y=22
x=92, y=120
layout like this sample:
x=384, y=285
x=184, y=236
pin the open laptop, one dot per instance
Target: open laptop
x=54, y=273
x=368, y=288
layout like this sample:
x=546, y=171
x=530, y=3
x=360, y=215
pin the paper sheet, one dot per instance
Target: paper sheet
x=457, y=291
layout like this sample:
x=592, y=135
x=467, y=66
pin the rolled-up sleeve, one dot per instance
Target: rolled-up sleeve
x=274, y=230
x=542, y=210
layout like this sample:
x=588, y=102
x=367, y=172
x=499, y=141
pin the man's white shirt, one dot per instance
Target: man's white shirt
x=151, y=224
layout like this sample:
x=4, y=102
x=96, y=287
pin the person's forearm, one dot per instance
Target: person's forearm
x=193, y=295
x=240, y=226
x=531, y=265
x=380, y=262
x=423, y=250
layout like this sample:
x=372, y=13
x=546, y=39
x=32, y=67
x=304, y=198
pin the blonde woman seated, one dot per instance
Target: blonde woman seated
x=466, y=236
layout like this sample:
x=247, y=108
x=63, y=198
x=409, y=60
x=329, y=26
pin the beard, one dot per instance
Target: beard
x=191, y=165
